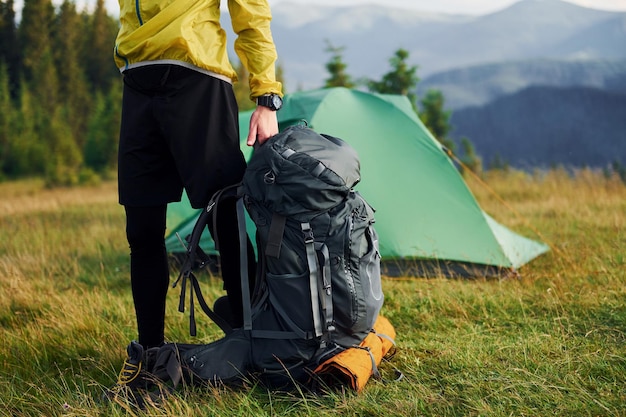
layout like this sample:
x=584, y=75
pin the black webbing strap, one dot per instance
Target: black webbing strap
x=243, y=266
x=275, y=235
x=316, y=172
x=195, y=288
x=194, y=244
x=194, y=251
x=168, y=365
x=398, y=375
x=325, y=290
x=275, y=334
x=311, y=256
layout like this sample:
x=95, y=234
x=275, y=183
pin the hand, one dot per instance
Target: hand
x=263, y=125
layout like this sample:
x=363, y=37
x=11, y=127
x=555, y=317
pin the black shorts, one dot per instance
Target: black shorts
x=179, y=128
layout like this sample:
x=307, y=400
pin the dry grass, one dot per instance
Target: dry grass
x=31, y=196
x=550, y=343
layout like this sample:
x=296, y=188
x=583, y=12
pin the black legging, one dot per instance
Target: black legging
x=149, y=270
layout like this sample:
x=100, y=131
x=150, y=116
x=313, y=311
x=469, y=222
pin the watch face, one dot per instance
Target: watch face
x=277, y=102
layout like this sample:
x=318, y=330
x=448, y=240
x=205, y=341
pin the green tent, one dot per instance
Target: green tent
x=426, y=216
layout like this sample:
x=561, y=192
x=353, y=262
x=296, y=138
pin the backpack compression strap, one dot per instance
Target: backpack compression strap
x=194, y=250
x=275, y=236
x=311, y=256
x=186, y=274
x=319, y=282
x=319, y=285
x=243, y=266
x=326, y=291
x=195, y=288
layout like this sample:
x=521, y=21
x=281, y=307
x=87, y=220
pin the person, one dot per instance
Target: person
x=180, y=130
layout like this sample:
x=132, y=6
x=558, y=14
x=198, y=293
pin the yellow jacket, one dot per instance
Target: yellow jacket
x=188, y=33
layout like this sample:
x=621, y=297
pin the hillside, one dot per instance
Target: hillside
x=546, y=126
x=480, y=84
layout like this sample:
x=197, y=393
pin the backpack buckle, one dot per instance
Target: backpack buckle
x=308, y=236
x=307, y=233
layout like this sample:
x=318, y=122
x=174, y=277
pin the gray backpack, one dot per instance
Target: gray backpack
x=318, y=287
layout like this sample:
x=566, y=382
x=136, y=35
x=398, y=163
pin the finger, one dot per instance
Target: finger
x=252, y=135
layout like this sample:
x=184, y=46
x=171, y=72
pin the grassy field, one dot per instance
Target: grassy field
x=551, y=342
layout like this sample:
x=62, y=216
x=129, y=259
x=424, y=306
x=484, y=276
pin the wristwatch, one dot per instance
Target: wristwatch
x=271, y=101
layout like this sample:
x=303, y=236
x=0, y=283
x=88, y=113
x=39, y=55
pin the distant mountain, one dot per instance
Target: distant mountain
x=369, y=35
x=529, y=29
x=541, y=82
x=480, y=84
x=602, y=40
x=545, y=126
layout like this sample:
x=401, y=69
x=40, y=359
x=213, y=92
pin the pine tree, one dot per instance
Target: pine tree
x=470, y=158
x=101, y=147
x=337, y=68
x=402, y=78
x=97, y=51
x=39, y=70
x=64, y=159
x=6, y=118
x=9, y=46
x=73, y=88
x=34, y=35
x=26, y=154
x=435, y=118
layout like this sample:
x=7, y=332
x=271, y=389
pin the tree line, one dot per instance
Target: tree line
x=60, y=92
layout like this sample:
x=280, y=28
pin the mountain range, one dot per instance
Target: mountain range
x=539, y=83
x=480, y=84
x=543, y=126
x=529, y=29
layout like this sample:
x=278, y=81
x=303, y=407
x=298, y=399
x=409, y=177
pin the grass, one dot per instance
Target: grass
x=552, y=342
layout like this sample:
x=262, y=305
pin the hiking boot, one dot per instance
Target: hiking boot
x=131, y=370
x=135, y=382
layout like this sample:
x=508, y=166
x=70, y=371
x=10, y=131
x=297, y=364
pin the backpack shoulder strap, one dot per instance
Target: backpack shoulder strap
x=194, y=251
x=195, y=288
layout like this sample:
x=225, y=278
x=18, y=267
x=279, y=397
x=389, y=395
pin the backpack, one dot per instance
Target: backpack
x=318, y=287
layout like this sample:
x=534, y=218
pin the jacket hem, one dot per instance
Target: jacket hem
x=176, y=62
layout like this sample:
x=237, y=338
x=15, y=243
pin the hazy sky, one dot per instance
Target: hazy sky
x=455, y=6
x=445, y=6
